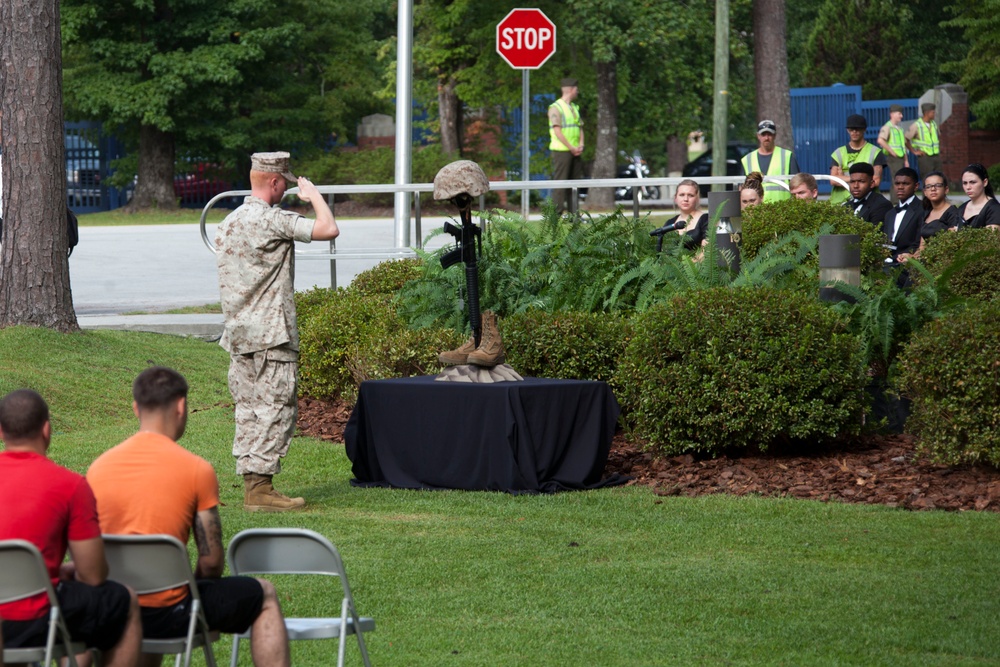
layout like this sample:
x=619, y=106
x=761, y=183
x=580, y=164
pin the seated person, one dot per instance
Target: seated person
x=752, y=190
x=803, y=186
x=866, y=202
x=149, y=485
x=939, y=213
x=903, y=221
x=54, y=509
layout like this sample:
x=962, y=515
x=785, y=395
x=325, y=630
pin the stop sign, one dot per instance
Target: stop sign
x=526, y=38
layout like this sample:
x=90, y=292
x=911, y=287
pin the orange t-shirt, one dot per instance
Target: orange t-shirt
x=150, y=485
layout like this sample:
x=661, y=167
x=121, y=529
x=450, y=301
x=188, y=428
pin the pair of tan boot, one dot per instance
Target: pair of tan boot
x=259, y=495
x=488, y=354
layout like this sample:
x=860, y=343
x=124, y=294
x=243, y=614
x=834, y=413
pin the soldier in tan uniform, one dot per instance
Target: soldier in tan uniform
x=256, y=260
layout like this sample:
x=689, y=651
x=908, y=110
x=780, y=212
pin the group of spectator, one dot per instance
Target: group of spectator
x=147, y=485
x=906, y=220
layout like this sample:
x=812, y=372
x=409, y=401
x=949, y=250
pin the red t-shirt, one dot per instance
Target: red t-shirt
x=150, y=485
x=47, y=505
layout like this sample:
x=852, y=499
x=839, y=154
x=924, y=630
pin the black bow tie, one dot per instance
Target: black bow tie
x=901, y=207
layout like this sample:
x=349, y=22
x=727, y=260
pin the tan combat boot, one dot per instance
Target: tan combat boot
x=259, y=495
x=490, y=351
x=458, y=356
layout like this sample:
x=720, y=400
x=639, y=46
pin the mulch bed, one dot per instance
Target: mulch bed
x=875, y=469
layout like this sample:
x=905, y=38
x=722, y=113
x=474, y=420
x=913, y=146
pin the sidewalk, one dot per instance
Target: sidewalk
x=204, y=326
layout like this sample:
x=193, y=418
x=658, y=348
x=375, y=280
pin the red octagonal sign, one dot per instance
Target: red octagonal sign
x=526, y=38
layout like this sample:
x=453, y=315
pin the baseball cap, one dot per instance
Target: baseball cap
x=927, y=106
x=273, y=163
x=765, y=127
x=895, y=107
x=568, y=82
x=856, y=121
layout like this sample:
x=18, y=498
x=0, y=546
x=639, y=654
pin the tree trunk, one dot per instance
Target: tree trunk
x=606, y=137
x=450, y=115
x=770, y=68
x=677, y=154
x=155, y=187
x=34, y=267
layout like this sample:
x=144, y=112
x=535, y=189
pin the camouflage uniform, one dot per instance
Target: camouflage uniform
x=256, y=260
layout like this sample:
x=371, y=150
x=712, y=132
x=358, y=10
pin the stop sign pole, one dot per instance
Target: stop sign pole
x=526, y=38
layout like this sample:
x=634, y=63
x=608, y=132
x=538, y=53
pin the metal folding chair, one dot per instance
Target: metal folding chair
x=300, y=551
x=22, y=575
x=154, y=563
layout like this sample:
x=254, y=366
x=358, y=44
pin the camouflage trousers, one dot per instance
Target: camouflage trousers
x=263, y=385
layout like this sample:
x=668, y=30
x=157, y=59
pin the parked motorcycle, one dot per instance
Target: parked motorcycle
x=635, y=167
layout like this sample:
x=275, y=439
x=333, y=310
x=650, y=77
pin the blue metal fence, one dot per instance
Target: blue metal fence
x=89, y=152
x=819, y=116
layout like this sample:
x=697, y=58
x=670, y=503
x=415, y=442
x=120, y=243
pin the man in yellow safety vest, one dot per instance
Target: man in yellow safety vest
x=858, y=149
x=565, y=141
x=770, y=160
x=923, y=139
x=893, y=143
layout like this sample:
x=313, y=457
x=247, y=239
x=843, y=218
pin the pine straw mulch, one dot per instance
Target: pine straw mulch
x=874, y=469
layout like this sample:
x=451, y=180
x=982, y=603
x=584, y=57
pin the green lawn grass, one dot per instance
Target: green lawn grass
x=119, y=217
x=616, y=576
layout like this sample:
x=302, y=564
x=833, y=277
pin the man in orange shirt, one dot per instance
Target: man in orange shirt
x=149, y=485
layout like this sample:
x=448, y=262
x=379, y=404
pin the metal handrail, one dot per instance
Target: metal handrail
x=497, y=186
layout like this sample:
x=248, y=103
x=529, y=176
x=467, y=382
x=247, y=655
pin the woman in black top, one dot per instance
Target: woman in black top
x=982, y=209
x=939, y=213
x=695, y=221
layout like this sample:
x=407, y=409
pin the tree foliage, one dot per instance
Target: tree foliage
x=979, y=70
x=221, y=79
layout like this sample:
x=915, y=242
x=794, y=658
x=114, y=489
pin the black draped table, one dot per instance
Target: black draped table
x=538, y=435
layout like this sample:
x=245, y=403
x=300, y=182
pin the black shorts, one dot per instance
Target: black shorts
x=231, y=605
x=95, y=616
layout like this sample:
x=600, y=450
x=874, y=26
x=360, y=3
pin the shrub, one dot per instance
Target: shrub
x=585, y=346
x=971, y=257
x=347, y=337
x=951, y=371
x=740, y=368
x=766, y=222
x=553, y=265
x=387, y=277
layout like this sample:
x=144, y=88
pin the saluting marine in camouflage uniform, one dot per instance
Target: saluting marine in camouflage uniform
x=256, y=260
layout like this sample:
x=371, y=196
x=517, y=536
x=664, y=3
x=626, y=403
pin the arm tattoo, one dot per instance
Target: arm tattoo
x=208, y=536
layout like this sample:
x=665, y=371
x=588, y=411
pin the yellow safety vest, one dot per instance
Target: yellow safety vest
x=897, y=141
x=570, y=114
x=781, y=160
x=845, y=160
x=926, y=140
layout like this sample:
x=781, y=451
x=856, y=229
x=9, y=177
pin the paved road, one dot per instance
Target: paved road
x=159, y=267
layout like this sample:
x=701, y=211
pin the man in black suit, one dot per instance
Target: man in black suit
x=866, y=202
x=902, y=222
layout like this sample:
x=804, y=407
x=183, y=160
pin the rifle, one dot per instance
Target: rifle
x=466, y=238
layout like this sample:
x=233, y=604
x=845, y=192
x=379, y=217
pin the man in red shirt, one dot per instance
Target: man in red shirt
x=54, y=509
x=151, y=485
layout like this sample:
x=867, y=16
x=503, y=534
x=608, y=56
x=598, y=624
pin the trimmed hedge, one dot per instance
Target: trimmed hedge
x=975, y=279
x=585, y=346
x=740, y=368
x=766, y=222
x=951, y=372
x=386, y=277
x=347, y=337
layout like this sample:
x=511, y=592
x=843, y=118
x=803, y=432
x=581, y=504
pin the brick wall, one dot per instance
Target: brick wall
x=961, y=145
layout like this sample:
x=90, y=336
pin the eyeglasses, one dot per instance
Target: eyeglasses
x=934, y=186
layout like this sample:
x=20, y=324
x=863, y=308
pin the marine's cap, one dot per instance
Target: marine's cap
x=460, y=177
x=856, y=122
x=568, y=82
x=927, y=106
x=273, y=163
x=766, y=126
x=895, y=107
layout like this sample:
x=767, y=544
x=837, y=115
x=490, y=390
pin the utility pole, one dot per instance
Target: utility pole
x=720, y=110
